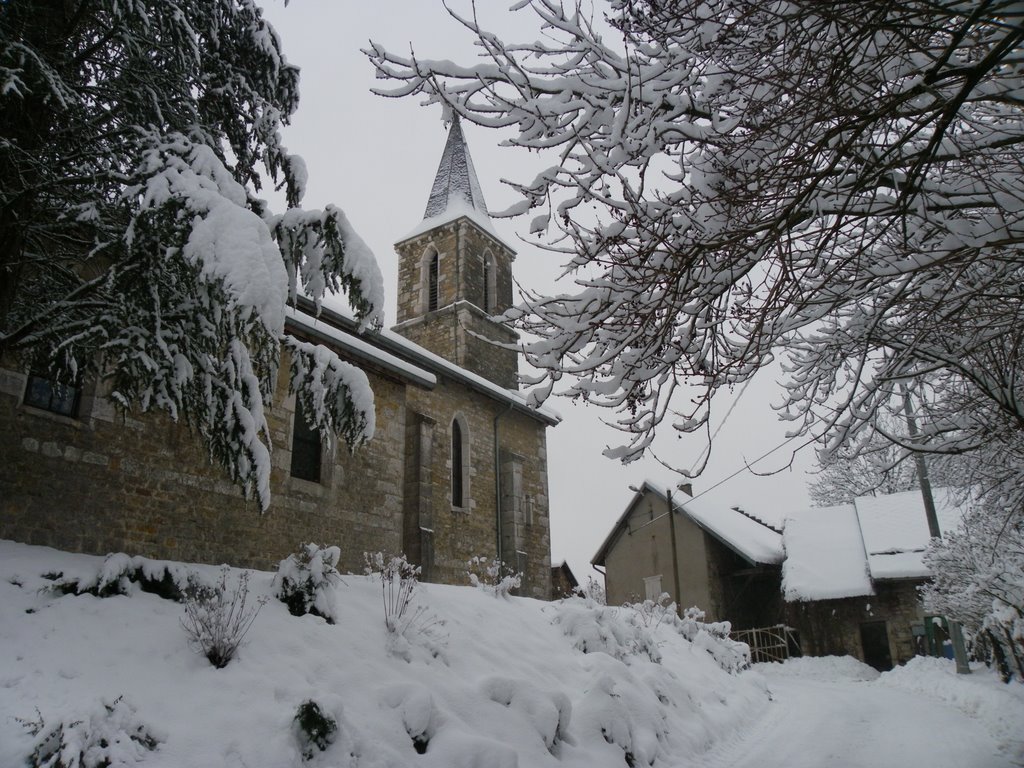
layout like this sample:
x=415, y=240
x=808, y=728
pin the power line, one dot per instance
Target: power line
x=747, y=465
x=728, y=413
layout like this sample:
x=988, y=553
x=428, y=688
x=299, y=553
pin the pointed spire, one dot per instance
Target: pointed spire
x=455, y=185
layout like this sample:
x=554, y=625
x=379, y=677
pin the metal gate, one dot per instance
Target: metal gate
x=775, y=643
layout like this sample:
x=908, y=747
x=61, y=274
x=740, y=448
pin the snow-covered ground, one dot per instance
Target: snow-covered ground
x=839, y=713
x=503, y=682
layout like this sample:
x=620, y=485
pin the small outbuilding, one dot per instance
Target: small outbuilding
x=831, y=581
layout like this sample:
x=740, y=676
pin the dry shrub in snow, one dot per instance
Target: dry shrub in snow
x=493, y=576
x=306, y=579
x=404, y=621
x=216, y=618
x=109, y=737
x=398, y=580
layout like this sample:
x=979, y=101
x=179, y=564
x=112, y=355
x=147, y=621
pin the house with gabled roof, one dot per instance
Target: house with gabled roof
x=457, y=467
x=843, y=579
x=852, y=572
x=724, y=561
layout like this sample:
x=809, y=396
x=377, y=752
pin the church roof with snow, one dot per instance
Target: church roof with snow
x=456, y=186
x=456, y=192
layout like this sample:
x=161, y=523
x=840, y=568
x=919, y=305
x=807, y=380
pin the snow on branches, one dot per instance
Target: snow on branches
x=732, y=178
x=133, y=140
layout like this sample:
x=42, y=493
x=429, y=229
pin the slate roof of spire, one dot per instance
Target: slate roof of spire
x=455, y=185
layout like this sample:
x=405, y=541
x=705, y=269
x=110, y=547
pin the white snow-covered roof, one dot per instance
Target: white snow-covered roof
x=402, y=356
x=743, y=534
x=837, y=551
x=455, y=181
x=359, y=348
x=752, y=540
x=824, y=555
x=896, y=533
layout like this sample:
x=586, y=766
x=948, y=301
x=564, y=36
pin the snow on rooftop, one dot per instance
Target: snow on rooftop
x=896, y=534
x=360, y=348
x=456, y=210
x=455, y=181
x=896, y=522
x=456, y=191
x=824, y=555
x=412, y=350
x=753, y=540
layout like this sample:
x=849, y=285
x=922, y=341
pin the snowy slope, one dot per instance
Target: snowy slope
x=501, y=683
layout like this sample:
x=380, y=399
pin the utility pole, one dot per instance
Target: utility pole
x=675, y=554
x=955, y=632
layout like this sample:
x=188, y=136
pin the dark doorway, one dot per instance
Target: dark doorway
x=874, y=639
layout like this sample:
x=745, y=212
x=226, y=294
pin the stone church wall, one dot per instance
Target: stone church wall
x=109, y=483
x=106, y=483
x=460, y=533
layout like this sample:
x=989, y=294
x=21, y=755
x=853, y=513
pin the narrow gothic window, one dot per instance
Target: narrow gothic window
x=306, y=448
x=457, y=465
x=487, y=283
x=49, y=395
x=432, y=290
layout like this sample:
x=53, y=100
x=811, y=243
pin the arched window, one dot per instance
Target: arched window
x=432, y=276
x=460, y=463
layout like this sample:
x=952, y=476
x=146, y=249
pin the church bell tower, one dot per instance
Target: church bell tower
x=455, y=273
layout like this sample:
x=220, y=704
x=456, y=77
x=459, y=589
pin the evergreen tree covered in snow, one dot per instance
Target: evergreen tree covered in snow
x=133, y=140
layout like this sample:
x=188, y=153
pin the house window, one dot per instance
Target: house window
x=306, y=448
x=432, y=278
x=49, y=395
x=652, y=588
x=460, y=463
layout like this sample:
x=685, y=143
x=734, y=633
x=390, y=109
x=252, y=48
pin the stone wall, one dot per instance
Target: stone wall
x=108, y=482
x=456, y=534
x=832, y=627
x=459, y=330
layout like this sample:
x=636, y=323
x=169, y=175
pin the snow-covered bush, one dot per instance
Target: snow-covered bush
x=731, y=655
x=492, y=575
x=109, y=737
x=592, y=590
x=549, y=713
x=594, y=628
x=217, y=618
x=118, y=575
x=306, y=579
x=650, y=613
x=314, y=729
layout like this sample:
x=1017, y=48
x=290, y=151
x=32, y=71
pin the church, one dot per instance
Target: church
x=457, y=467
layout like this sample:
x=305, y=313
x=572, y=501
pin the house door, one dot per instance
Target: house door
x=874, y=639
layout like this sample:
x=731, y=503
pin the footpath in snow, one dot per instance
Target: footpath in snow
x=475, y=680
x=839, y=713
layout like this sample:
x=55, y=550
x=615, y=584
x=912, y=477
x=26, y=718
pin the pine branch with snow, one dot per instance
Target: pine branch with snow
x=134, y=139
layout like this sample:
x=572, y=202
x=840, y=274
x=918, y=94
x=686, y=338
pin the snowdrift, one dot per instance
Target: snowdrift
x=475, y=680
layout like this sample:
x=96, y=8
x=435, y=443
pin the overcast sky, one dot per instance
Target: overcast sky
x=376, y=157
